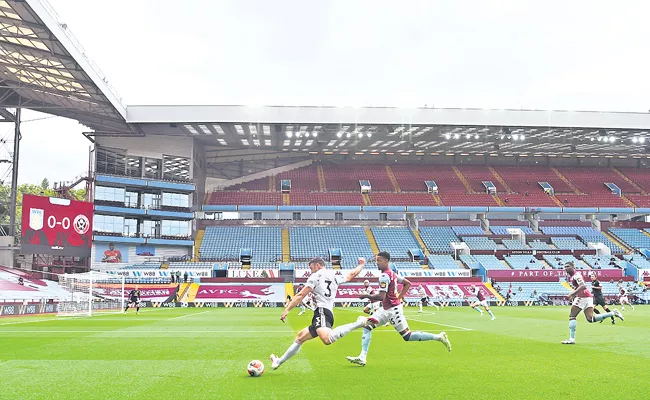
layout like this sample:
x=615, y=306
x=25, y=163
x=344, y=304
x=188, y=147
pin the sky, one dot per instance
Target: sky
x=552, y=54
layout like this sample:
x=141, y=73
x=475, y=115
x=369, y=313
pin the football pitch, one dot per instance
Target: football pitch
x=199, y=353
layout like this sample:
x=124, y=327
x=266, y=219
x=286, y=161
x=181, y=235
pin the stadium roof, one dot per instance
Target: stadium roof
x=43, y=68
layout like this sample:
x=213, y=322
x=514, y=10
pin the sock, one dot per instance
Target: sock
x=291, y=351
x=632, y=306
x=490, y=312
x=420, y=336
x=600, y=317
x=609, y=311
x=302, y=308
x=477, y=310
x=572, y=328
x=420, y=307
x=596, y=311
x=137, y=309
x=343, y=330
x=127, y=307
x=365, y=342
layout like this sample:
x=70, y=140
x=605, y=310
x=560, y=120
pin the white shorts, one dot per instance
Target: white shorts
x=482, y=303
x=624, y=299
x=583, y=302
x=394, y=315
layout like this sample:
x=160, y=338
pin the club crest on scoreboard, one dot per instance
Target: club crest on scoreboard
x=36, y=217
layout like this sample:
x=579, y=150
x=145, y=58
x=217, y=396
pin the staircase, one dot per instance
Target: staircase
x=628, y=202
x=421, y=242
x=618, y=242
x=371, y=240
x=631, y=182
x=286, y=200
x=272, y=185
x=192, y=291
x=500, y=179
x=182, y=292
x=645, y=232
x=492, y=290
x=558, y=202
x=392, y=178
x=462, y=179
x=566, y=285
x=565, y=180
x=197, y=244
x=497, y=199
x=366, y=199
x=321, y=178
x=436, y=198
x=286, y=249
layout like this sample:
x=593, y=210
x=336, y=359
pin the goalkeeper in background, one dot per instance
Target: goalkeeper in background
x=134, y=298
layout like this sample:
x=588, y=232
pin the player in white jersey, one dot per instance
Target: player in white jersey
x=323, y=285
x=623, y=299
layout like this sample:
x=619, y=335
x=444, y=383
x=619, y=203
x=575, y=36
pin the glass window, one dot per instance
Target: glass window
x=152, y=168
x=130, y=227
x=131, y=199
x=175, y=200
x=110, y=161
x=149, y=228
x=175, y=228
x=176, y=168
x=297, y=216
x=151, y=200
x=338, y=216
x=109, y=194
x=108, y=223
x=134, y=166
x=257, y=216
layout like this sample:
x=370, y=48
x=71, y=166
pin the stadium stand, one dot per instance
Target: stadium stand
x=468, y=230
x=632, y=237
x=470, y=200
x=303, y=179
x=261, y=184
x=223, y=243
x=397, y=241
x=512, y=244
x=400, y=265
x=523, y=291
x=598, y=262
x=480, y=243
x=587, y=234
x=402, y=199
x=244, y=198
x=411, y=178
x=592, y=200
x=528, y=199
x=592, y=180
x=558, y=261
x=638, y=260
x=476, y=174
x=524, y=262
x=438, y=238
x=438, y=261
x=503, y=229
x=539, y=245
x=525, y=179
x=567, y=243
x=332, y=199
x=346, y=178
x=489, y=261
x=641, y=177
x=309, y=242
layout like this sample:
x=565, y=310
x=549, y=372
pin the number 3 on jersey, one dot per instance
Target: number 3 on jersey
x=329, y=289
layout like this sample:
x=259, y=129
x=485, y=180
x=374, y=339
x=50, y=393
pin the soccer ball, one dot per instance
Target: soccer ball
x=255, y=368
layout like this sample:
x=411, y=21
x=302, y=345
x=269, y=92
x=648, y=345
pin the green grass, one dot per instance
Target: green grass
x=202, y=354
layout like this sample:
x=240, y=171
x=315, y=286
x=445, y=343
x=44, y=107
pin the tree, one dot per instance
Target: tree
x=45, y=184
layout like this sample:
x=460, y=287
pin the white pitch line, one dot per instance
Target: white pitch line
x=55, y=318
x=150, y=332
x=189, y=315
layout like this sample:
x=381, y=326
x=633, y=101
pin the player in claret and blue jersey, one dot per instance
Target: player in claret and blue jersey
x=482, y=302
x=582, y=300
x=391, y=311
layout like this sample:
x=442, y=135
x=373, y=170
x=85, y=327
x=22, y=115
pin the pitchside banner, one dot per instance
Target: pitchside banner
x=233, y=292
x=17, y=309
x=436, y=273
x=56, y=226
x=161, y=273
x=365, y=274
x=548, y=275
x=253, y=273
